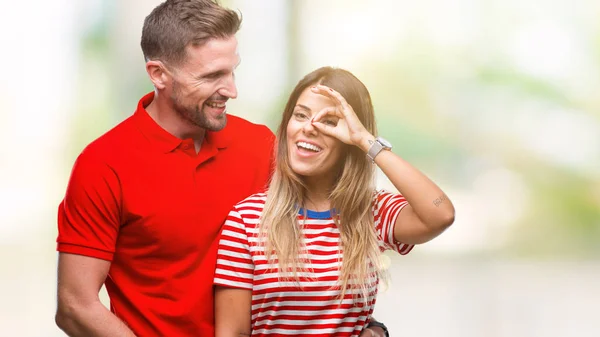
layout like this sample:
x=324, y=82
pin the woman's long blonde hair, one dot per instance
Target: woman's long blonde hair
x=351, y=196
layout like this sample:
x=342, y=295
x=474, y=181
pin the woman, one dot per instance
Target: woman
x=303, y=259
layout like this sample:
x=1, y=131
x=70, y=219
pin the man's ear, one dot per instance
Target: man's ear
x=158, y=73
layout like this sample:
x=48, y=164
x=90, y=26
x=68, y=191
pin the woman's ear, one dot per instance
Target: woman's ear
x=158, y=73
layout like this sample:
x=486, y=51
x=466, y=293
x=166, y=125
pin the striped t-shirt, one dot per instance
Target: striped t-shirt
x=312, y=305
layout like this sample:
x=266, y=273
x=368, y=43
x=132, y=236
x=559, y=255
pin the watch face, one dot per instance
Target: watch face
x=384, y=142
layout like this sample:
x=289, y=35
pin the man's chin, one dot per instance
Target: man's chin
x=218, y=124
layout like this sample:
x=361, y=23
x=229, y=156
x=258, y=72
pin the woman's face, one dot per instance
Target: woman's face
x=312, y=154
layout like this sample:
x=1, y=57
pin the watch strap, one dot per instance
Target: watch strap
x=374, y=150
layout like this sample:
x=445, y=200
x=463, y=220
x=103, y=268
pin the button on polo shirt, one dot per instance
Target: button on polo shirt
x=146, y=201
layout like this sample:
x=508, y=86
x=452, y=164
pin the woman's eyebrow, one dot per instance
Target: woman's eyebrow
x=303, y=107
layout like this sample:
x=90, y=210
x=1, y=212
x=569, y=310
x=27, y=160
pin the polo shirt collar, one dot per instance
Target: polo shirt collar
x=167, y=142
x=219, y=139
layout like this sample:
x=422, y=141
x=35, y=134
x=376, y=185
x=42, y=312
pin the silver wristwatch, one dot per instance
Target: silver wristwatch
x=378, y=145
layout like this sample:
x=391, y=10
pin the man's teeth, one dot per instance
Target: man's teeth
x=308, y=146
x=215, y=105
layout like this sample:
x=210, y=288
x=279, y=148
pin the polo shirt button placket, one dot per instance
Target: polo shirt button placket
x=186, y=145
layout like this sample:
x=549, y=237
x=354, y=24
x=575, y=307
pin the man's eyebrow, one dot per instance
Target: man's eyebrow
x=303, y=107
x=218, y=72
x=211, y=74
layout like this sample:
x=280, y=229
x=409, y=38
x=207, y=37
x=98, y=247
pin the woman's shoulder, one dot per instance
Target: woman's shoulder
x=249, y=210
x=256, y=200
x=378, y=194
x=383, y=193
x=383, y=197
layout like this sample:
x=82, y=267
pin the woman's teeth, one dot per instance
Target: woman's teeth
x=308, y=146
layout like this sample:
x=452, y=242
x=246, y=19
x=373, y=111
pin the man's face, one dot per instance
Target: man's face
x=204, y=82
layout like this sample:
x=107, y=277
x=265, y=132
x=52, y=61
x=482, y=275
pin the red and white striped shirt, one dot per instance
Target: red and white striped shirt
x=312, y=305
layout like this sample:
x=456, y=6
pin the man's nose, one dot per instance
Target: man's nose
x=229, y=89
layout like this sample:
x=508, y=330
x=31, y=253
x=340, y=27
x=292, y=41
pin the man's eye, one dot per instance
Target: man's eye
x=213, y=76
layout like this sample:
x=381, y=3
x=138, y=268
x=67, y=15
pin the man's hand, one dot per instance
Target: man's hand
x=372, y=332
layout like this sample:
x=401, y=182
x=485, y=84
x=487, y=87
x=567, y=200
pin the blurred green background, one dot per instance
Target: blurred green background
x=497, y=101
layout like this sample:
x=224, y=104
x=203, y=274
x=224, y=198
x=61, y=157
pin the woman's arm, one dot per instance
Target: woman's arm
x=233, y=307
x=429, y=211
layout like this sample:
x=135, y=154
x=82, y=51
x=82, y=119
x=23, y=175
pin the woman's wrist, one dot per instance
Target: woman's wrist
x=365, y=142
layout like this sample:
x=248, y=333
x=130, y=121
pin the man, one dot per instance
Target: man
x=146, y=200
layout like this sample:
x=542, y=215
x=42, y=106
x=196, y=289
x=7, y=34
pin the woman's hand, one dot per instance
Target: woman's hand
x=340, y=121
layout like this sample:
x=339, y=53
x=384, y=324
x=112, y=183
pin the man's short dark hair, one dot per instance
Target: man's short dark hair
x=175, y=24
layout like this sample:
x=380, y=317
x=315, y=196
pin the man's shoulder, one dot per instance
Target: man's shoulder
x=111, y=142
x=243, y=128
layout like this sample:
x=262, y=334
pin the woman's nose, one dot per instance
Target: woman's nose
x=309, y=128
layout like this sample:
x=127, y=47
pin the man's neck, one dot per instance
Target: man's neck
x=164, y=115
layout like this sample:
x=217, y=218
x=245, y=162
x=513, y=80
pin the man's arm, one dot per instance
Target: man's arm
x=88, y=227
x=79, y=310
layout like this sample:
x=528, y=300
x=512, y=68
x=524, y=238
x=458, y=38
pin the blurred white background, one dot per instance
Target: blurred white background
x=498, y=101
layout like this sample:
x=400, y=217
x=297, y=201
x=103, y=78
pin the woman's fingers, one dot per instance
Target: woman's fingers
x=328, y=112
x=335, y=96
x=327, y=120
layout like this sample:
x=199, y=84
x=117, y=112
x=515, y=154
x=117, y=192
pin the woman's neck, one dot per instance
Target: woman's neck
x=317, y=196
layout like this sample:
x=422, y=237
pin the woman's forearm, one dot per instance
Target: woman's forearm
x=427, y=200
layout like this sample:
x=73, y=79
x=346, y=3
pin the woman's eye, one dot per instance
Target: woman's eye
x=330, y=122
x=300, y=115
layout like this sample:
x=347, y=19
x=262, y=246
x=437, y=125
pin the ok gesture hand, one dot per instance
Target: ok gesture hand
x=348, y=128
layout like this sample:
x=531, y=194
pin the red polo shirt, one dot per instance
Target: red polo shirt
x=144, y=200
